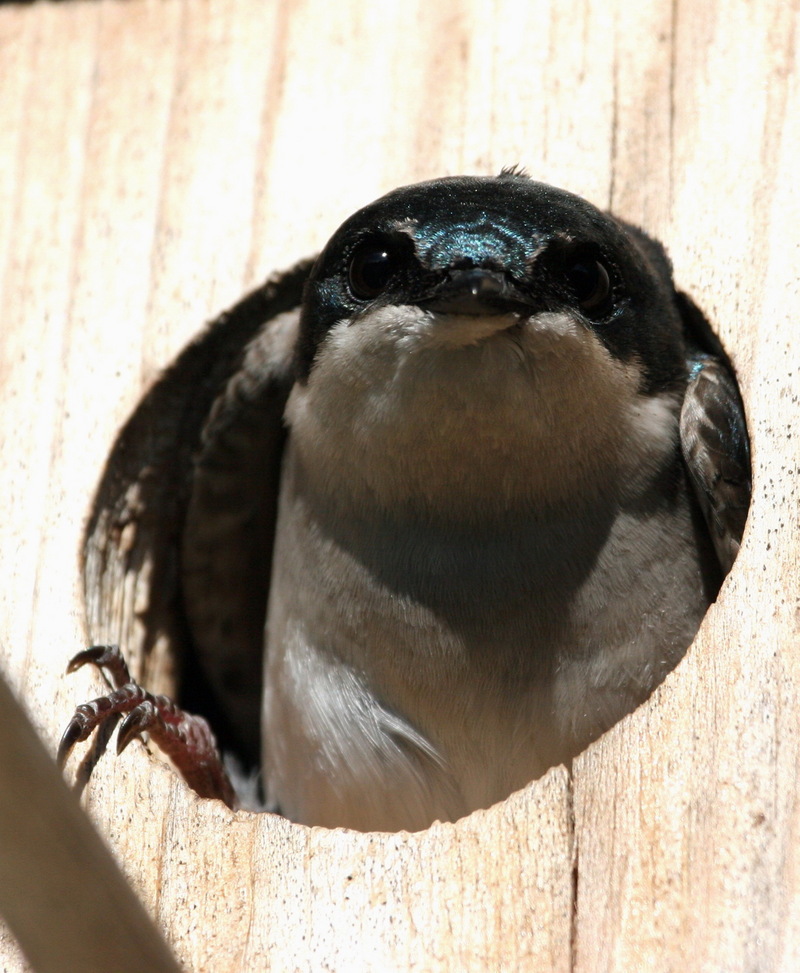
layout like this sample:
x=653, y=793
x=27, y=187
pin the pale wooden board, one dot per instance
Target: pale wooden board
x=60, y=889
x=157, y=158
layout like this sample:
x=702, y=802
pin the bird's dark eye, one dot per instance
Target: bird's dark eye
x=373, y=263
x=589, y=281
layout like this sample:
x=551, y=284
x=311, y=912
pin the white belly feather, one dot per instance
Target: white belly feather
x=415, y=671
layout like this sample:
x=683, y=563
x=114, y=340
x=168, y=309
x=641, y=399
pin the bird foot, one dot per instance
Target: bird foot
x=186, y=739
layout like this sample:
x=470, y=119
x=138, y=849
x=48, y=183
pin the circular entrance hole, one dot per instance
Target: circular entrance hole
x=134, y=566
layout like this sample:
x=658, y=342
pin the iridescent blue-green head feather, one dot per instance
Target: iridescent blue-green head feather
x=471, y=244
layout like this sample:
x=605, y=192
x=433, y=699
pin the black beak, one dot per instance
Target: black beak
x=476, y=290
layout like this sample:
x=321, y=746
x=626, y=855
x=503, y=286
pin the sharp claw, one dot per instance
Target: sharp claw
x=70, y=737
x=186, y=739
x=106, y=657
x=84, y=657
x=134, y=724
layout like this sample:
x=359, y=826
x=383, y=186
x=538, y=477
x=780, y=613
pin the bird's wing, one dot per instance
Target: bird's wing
x=716, y=450
x=229, y=526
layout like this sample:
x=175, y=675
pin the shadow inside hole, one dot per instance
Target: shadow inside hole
x=132, y=545
x=133, y=541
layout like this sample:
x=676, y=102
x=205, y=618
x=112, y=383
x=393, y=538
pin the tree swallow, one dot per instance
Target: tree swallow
x=470, y=502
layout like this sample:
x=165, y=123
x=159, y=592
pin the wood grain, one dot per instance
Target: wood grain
x=65, y=899
x=159, y=157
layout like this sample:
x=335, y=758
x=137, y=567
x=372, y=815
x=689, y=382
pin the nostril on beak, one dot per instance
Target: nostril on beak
x=482, y=283
x=476, y=290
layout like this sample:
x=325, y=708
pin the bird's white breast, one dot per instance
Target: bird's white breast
x=420, y=662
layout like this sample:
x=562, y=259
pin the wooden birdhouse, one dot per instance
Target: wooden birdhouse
x=159, y=158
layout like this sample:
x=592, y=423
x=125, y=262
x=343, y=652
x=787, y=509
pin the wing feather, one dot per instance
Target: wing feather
x=716, y=450
x=229, y=526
